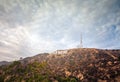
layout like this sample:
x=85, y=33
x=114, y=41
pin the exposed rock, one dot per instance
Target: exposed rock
x=80, y=76
x=67, y=73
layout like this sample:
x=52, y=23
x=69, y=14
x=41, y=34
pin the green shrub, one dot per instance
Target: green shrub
x=1, y=79
x=15, y=63
x=73, y=80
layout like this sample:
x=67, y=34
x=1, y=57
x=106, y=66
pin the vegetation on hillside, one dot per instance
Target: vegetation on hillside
x=78, y=65
x=33, y=72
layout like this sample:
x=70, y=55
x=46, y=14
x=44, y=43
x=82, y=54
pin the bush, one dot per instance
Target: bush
x=15, y=63
x=1, y=79
x=73, y=80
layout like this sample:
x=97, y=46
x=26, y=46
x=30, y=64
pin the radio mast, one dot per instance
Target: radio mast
x=81, y=42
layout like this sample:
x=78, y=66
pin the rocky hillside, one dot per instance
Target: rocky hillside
x=77, y=65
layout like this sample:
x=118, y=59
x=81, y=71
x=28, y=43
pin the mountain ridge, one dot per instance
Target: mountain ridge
x=75, y=65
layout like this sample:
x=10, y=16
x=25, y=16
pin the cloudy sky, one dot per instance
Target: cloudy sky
x=29, y=27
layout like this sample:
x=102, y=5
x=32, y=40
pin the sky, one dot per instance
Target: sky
x=30, y=27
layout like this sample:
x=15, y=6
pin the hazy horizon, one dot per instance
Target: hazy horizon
x=29, y=27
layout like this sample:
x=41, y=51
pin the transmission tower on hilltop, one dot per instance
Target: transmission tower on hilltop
x=81, y=42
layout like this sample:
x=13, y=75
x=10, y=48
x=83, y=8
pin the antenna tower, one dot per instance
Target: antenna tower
x=81, y=43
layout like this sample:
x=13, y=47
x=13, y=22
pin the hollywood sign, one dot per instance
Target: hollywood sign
x=60, y=52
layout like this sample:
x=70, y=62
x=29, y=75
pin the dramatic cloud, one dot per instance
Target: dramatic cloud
x=29, y=27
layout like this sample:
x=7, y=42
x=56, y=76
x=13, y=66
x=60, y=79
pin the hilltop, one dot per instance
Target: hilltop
x=72, y=65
